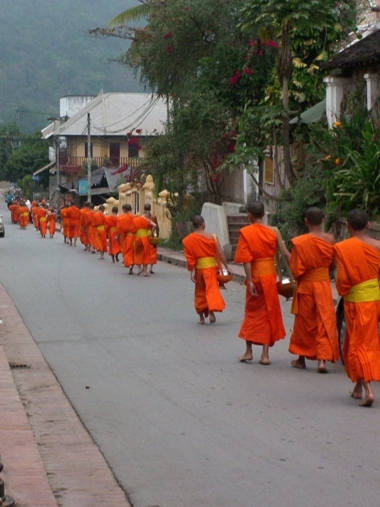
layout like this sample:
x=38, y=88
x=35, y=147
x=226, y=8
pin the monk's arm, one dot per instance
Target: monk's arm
x=248, y=273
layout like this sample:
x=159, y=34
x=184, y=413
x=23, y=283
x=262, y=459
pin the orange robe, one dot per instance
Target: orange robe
x=23, y=216
x=314, y=332
x=142, y=245
x=65, y=222
x=126, y=232
x=358, y=262
x=42, y=224
x=99, y=224
x=73, y=215
x=84, y=227
x=51, y=219
x=262, y=324
x=207, y=296
x=34, y=214
x=113, y=247
x=91, y=229
x=14, y=212
x=153, y=248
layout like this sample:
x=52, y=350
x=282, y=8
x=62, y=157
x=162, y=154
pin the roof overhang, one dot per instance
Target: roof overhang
x=50, y=164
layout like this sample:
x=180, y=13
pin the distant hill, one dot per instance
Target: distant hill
x=46, y=53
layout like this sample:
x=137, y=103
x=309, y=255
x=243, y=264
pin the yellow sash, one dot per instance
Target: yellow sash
x=129, y=234
x=100, y=228
x=364, y=292
x=315, y=275
x=264, y=266
x=113, y=229
x=25, y=214
x=205, y=262
x=42, y=219
x=142, y=233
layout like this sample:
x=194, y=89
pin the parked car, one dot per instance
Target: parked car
x=2, y=228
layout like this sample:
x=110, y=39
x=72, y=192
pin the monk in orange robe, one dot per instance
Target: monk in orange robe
x=23, y=216
x=126, y=230
x=91, y=231
x=73, y=215
x=84, y=225
x=357, y=281
x=141, y=245
x=156, y=232
x=314, y=332
x=200, y=249
x=99, y=223
x=51, y=221
x=65, y=222
x=262, y=324
x=41, y=214
x=14, y=213
x=113, y=243
x=34, y=214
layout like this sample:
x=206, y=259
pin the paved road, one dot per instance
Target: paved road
x=180, y=421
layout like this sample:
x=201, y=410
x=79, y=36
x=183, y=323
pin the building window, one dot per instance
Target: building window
x=133, y=150
x=86, y=151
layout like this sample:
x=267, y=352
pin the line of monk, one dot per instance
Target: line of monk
x=313, y=256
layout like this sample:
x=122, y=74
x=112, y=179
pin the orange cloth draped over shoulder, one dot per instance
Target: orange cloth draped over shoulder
x=23, y=216
x=126, y=230
x=358, y=263
x=91, y=229
x=99, y=224
x=113, y=247
x=200, y=251
x=73, y=215
x=83, y=236
x=314, y=332
x=141, y=244
x=42, y=224
x=51, y=220
x=262, y=323
x=65, y=222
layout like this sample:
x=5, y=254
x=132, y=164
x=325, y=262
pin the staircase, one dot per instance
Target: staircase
x=235, y=223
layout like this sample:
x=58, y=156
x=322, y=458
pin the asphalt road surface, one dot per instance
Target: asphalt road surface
x=180, y=421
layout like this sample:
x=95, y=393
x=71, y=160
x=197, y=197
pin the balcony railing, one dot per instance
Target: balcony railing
x=99, y=161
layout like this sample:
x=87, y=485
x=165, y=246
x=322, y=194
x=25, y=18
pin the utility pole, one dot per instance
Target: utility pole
x=88, y=158
x=58, y=174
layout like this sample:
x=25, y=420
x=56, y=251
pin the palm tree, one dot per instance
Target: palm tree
x=134, y=13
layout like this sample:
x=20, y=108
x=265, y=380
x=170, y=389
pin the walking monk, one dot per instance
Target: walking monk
x=126, y=229
x=262, y=324
x=51, y=221
x=113, y=246
x=34, y=214
x=200, y=249
x=358, y=263
x=153, y=248
x=73, y=215
x=143, y=226
x=42, y=225
x=65, y=222
x=99, y=224
x=84, y=225
x=314, y=332
x=23, y=215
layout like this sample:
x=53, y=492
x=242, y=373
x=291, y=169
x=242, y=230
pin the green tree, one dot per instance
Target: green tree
x=296, y=23
x=9, y=136
x=30, y=156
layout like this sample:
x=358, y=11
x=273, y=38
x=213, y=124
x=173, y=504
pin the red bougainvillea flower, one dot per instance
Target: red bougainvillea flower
x=138, y=131
x=248, y=71
x=251, y=43
x=139, y=147
x=129, y=134
x=234, y=80
x=238, y=73
x=187, y=8
x=169, y=49
x=168, y=35
x=247, y=58
x=133, y=140
x=272, y=44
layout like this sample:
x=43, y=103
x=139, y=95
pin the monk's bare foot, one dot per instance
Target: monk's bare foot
x=212, y=318
x=246, y=357
x=322, y=367
x=355, y=395
x=369, y=399
x=201, y=318
x=151, y=272
x=298, y=363
x=130, y=271
x=264, y=361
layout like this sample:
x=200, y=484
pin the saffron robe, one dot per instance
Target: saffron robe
x=42, y=224
x=153, y=248
x=358, y=262
x=126, y=232
x=262, y=323
x=83, y=236
x=91, y=229
x=99, y=224
x=141, y=244
x=73, y=215
x=23, y=216
x=65, y=222
x=51, y=219
x=113, y=243
x=34, y=214
x=13, y=209
x=314, y=332
x=207, y=296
